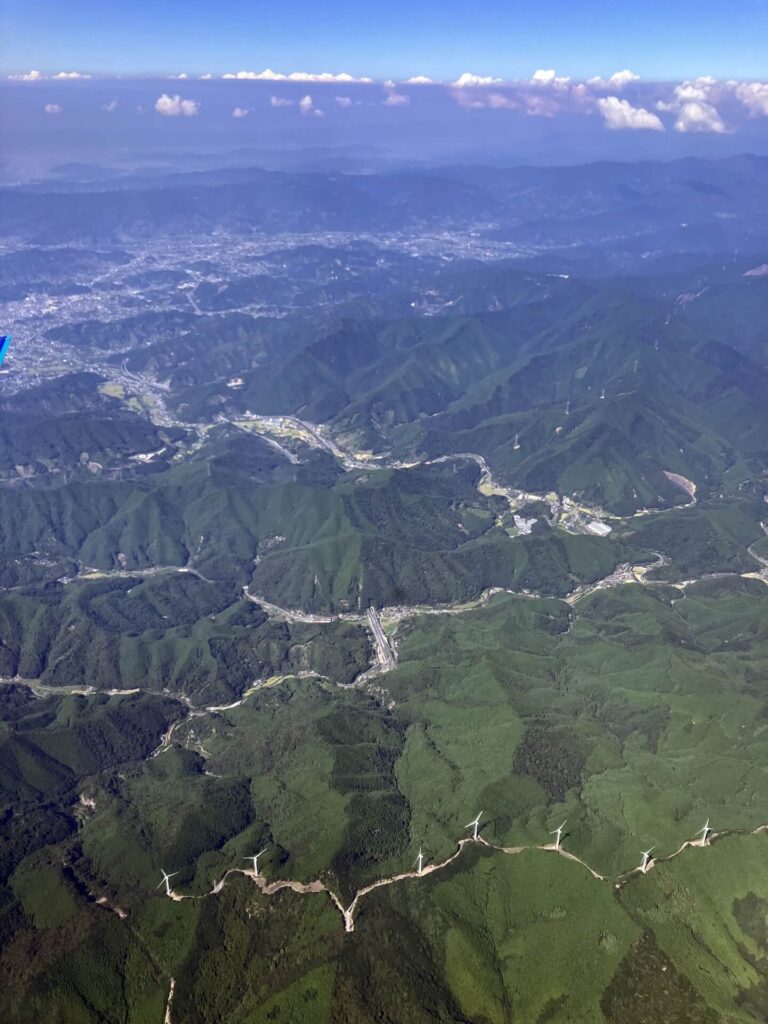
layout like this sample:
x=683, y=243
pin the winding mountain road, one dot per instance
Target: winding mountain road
x=349, y=913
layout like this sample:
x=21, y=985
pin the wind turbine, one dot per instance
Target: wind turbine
x=557, y=832
x=419, y=862
x=704, y=833
x=474, y=825
x=166, y=880
x=646, y=859
x=255, y=858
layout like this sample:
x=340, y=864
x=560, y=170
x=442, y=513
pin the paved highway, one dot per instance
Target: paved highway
x=385, y=650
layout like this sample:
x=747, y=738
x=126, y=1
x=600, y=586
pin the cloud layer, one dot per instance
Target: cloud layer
x=696, y=105
x=39, y=76
x=268, y=75
x=621, y=101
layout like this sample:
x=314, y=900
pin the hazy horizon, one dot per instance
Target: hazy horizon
x=48, y=122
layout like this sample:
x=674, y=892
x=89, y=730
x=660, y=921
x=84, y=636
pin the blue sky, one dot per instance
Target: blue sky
x=658, y=39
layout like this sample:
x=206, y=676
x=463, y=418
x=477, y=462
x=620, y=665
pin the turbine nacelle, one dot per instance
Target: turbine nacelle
x=704, y=832
x=646, y=855
x=557, y=833
x=166, y=881
x=474, y=825
x=255, y=858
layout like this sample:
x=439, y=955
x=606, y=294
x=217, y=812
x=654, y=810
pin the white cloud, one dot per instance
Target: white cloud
x=753, y=95
x=343, y=101
x=308, y=109
x=616, y=81
x=280, y=101
x=549, y=77
x=240, y=112
x=325, y=76
x=268, y=75
x=468, y=79
x=620, y=114
x=483, y=99
x=38, y=76
x=52, y=108
x=621, y=78
x=109, y=107
x=699, y=117
x=182, y=75
x=497, y=101
x=419, y=80
x=546, y=93
x=204, y=78
x=175, y=106
x=541, y=106
x=396, y=99
x=262, y=76
x=693, y=102
x=695, y=91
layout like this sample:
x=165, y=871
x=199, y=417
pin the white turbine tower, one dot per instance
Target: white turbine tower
x=557, y=833
x=166, y=881
x=646, y=859
x=474, y=825
x=704, y=832
x=419, y=862
x=255, y=858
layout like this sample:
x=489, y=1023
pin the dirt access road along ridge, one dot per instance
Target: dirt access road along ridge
x=349, y=913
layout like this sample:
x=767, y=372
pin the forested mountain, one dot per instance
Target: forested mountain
x=335, y=508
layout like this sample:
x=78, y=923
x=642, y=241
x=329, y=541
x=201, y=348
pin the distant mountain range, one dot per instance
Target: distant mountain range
x=709, y=205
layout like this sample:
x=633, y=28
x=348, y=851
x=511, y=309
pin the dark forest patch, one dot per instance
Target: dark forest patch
x=547, y=755
x=647, y=988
